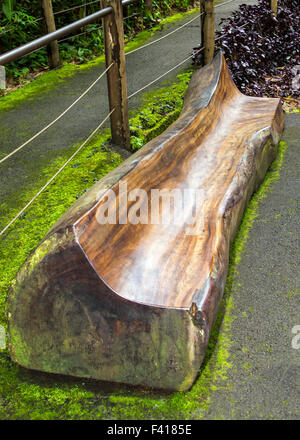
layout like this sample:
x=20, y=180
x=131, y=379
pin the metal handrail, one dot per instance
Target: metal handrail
x=18, y=52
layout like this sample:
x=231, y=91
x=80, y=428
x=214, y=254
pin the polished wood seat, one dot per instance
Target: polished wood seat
x=136, y=303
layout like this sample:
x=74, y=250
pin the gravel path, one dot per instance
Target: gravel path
x=265, y=373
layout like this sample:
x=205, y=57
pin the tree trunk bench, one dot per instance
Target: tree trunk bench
x=136, y=303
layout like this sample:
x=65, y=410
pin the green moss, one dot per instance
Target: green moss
x=22, y=351
x=160, y=108
x=247, y=366
x=293, y=293
x=33, y=395
x=43, y=84
x=294, y=110
x=50, y=80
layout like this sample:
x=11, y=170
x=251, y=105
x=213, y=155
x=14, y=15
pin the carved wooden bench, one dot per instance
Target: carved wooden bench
x=135, y=303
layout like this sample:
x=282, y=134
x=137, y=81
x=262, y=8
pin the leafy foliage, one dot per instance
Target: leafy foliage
x=261, y=50
x=8, y=8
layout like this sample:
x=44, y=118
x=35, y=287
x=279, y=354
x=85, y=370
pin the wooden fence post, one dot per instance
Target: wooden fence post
x=274, y=7
x=50, y=23
x=208, y=30
x=116, y=75
x=149, y=5
x=202, y=15
x=125, y=11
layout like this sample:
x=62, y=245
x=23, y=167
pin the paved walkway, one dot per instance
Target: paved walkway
x=265, y=373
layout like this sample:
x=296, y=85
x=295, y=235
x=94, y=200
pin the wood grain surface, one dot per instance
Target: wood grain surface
x=135, y=303
x=211, y=150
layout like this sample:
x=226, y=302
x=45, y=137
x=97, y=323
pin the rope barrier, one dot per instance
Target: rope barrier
x=87, y=140
x=177, y=29
x=164, y=74
x=92, y=30
x=105, y=119
x=13, y=28
x=125, y=18
x=56, y=174
x=54, y=13
x=225, y=3
x=179, y=64
x=75, y=7
x=165, y=36
x=56, y=119
x=221, y=36
x=81, y=33
x=130, y=16
x=134, y=50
